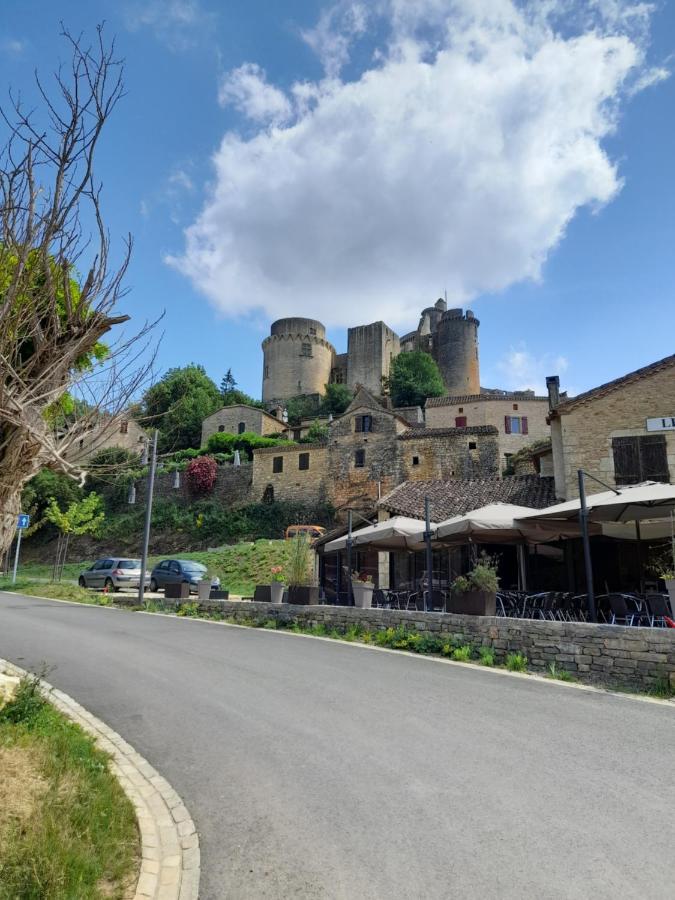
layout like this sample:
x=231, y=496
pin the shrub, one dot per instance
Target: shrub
x=26, y=703
x=188, y=609
x=554, y=671
x=516, y=662
x=298, y=569
x=462, y=654
x=201, y=474
x=483, y=577
x=221, y=442
x=487, y=656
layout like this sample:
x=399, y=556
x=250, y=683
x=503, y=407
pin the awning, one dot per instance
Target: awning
x=398, y=533
x=631, y=503
x=501, y=523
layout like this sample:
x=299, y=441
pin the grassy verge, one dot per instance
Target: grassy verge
x=67, y=830
x=61, y=591
x=239, y=566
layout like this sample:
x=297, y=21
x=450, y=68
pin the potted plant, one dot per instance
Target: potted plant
x=475, y=593
x=277, y=585
x=362, y=588
x=301, y=590
x=668, y=576
x=204, y=587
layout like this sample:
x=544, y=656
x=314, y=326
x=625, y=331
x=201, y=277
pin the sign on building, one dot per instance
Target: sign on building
x=665, y=423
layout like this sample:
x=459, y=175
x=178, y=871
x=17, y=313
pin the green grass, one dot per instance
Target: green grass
x=239, y=566
x=67, y=830
x=516, y=662
x=61, y=591
x=554, y=671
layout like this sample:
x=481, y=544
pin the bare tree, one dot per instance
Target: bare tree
x=54, y=322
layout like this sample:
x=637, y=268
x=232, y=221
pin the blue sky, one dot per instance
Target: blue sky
x=357, y=159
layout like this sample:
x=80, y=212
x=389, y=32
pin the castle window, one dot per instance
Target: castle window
x=305, y=350
x=415, y=460
x=303, y=462
x=312, y=330
x=359, y=459
x=472, y=445
x=277, y=464
x=460, y=421
x=515, y=425
x=363, y=424
x=515, y=406
x=221, y=428
x=297, y=434
x=267, y=371
x=241, y=427
x=461, y=409
x=124, y=428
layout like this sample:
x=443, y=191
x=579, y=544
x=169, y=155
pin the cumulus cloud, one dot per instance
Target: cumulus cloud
x=455, y=159
x=521, y=370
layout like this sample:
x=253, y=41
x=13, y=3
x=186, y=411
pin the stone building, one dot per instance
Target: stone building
x=126, y=434
x=299, y=360
x=240, y=418
x=520, y=417
x=622, y=432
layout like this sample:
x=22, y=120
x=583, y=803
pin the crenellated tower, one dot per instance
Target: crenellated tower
x=297, y=359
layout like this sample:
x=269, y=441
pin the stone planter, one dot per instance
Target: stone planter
x=262, y=593
x=177, y=591
x=472, y=603
x=670, y=587
x=204, y=590
x=219, y=595
x=277, y=592
x=303, y=595
x=363, y=594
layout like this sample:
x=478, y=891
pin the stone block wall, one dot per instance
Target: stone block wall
x=232, y=488
x=609, y=655
x=229, y=418
x=291, y=483
x=464, y=454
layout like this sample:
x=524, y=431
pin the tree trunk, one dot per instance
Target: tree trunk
x=21, y=457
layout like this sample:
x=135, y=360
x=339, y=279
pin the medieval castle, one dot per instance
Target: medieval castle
x=298, y=360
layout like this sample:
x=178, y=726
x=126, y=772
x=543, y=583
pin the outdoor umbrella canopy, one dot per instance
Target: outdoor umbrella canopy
x=631, y=503
x=500, y=523
x=397, y=533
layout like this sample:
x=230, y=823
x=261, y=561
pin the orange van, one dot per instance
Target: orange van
x=313, y=532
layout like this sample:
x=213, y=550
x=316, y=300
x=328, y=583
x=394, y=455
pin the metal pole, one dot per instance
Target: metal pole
x=148, y=518
x=16, y=555
x=583, y=520
x=428, y=602
x=349, y=558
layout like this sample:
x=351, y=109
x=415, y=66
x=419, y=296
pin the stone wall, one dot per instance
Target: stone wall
x=582, y=437
x=611, y=655
x=232, y=487
x=371, y=349
x=292, y=483
x=467, y=453
x=229, y=418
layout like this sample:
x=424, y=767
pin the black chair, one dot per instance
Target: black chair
x=624, y=612
x=657, y=609
x=435, y=603
x=380, y=599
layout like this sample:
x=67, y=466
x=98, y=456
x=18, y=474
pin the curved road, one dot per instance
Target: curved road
x=316, y=769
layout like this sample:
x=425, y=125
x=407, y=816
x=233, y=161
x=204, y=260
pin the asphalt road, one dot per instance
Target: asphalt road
x=315, y=769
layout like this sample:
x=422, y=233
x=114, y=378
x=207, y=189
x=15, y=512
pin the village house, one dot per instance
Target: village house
x=622, y=432
x=125, y=434
x=240, y=418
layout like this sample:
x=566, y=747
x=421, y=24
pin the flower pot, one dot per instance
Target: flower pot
x=204, y=590
x=177, y=591
x=277, y=592
x=363, y=594
x=472, y=603
x=303, y=595
x=219, y=595
x=262, y=593
x=670, y=587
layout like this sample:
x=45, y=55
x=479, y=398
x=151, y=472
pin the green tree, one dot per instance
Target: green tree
x=336, y=399
x=45, y=486
x=414, y=376
x=178, y=404
x=317, y=433
x=301, y=407
x=228, y=384
x=83, y=516
x=236, y=397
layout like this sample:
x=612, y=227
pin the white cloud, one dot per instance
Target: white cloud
x=176, y=23
x=456, y=160
x=333, y=35
x=246, y=88
x=521, y=370
x=12, y=46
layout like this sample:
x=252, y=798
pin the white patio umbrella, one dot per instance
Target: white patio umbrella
x=630, y=503
x=500, y=523
x=397, y=533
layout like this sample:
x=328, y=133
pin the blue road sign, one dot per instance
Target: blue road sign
x=23, y=520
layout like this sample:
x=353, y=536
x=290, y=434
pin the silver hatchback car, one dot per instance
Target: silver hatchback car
x=113, y=573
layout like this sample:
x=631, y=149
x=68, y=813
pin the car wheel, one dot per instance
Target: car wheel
x=82, y=583
x=153, y=585
x=110, y=585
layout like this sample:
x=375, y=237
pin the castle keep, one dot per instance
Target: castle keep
x=297, y=358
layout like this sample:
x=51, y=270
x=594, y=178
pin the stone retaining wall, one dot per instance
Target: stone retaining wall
x=612, y=655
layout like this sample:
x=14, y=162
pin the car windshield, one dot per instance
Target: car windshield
x=129, y=564
x=193, y=567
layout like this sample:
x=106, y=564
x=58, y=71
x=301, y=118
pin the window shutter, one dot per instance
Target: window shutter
x=523, y=423
x=460, y=421
x=626, y=460
x=358, y=423
x=507, y=424
x=654, y=458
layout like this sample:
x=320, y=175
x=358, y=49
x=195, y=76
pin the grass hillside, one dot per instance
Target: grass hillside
x=239, y=566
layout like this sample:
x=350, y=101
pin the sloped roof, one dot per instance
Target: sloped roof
x=615, y=385
x=442, y=432
x=476, y=398
x=455, y=497
x=363, y=399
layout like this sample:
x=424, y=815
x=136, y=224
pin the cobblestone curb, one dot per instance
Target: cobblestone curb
x=170, y=860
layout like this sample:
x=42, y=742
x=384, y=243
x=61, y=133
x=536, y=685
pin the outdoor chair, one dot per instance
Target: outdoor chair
x=657, y=610
x=380, y=599
x=435, y=603
x=624, y=612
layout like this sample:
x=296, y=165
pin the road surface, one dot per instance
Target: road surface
x=317, y=769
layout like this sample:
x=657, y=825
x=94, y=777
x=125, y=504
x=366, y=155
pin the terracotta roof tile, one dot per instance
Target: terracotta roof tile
x=454, y=498
x=476, y=398
x=441, y=432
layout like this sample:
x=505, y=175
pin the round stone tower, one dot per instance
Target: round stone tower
x=297, y=359
x=456, y=351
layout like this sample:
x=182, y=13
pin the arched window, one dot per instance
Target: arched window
x=241, y=427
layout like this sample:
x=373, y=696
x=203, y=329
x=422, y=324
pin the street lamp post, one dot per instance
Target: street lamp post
x=148, y=518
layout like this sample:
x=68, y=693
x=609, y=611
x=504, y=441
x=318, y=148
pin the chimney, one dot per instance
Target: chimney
x=553, y=388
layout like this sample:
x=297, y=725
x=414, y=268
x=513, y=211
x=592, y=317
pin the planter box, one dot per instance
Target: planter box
x=262, y=593
x=277, y=592
x=472, y=603
x=363, y=594
x=177, y=591
x=204, y=590
x=219, y=595
x=303, y=595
